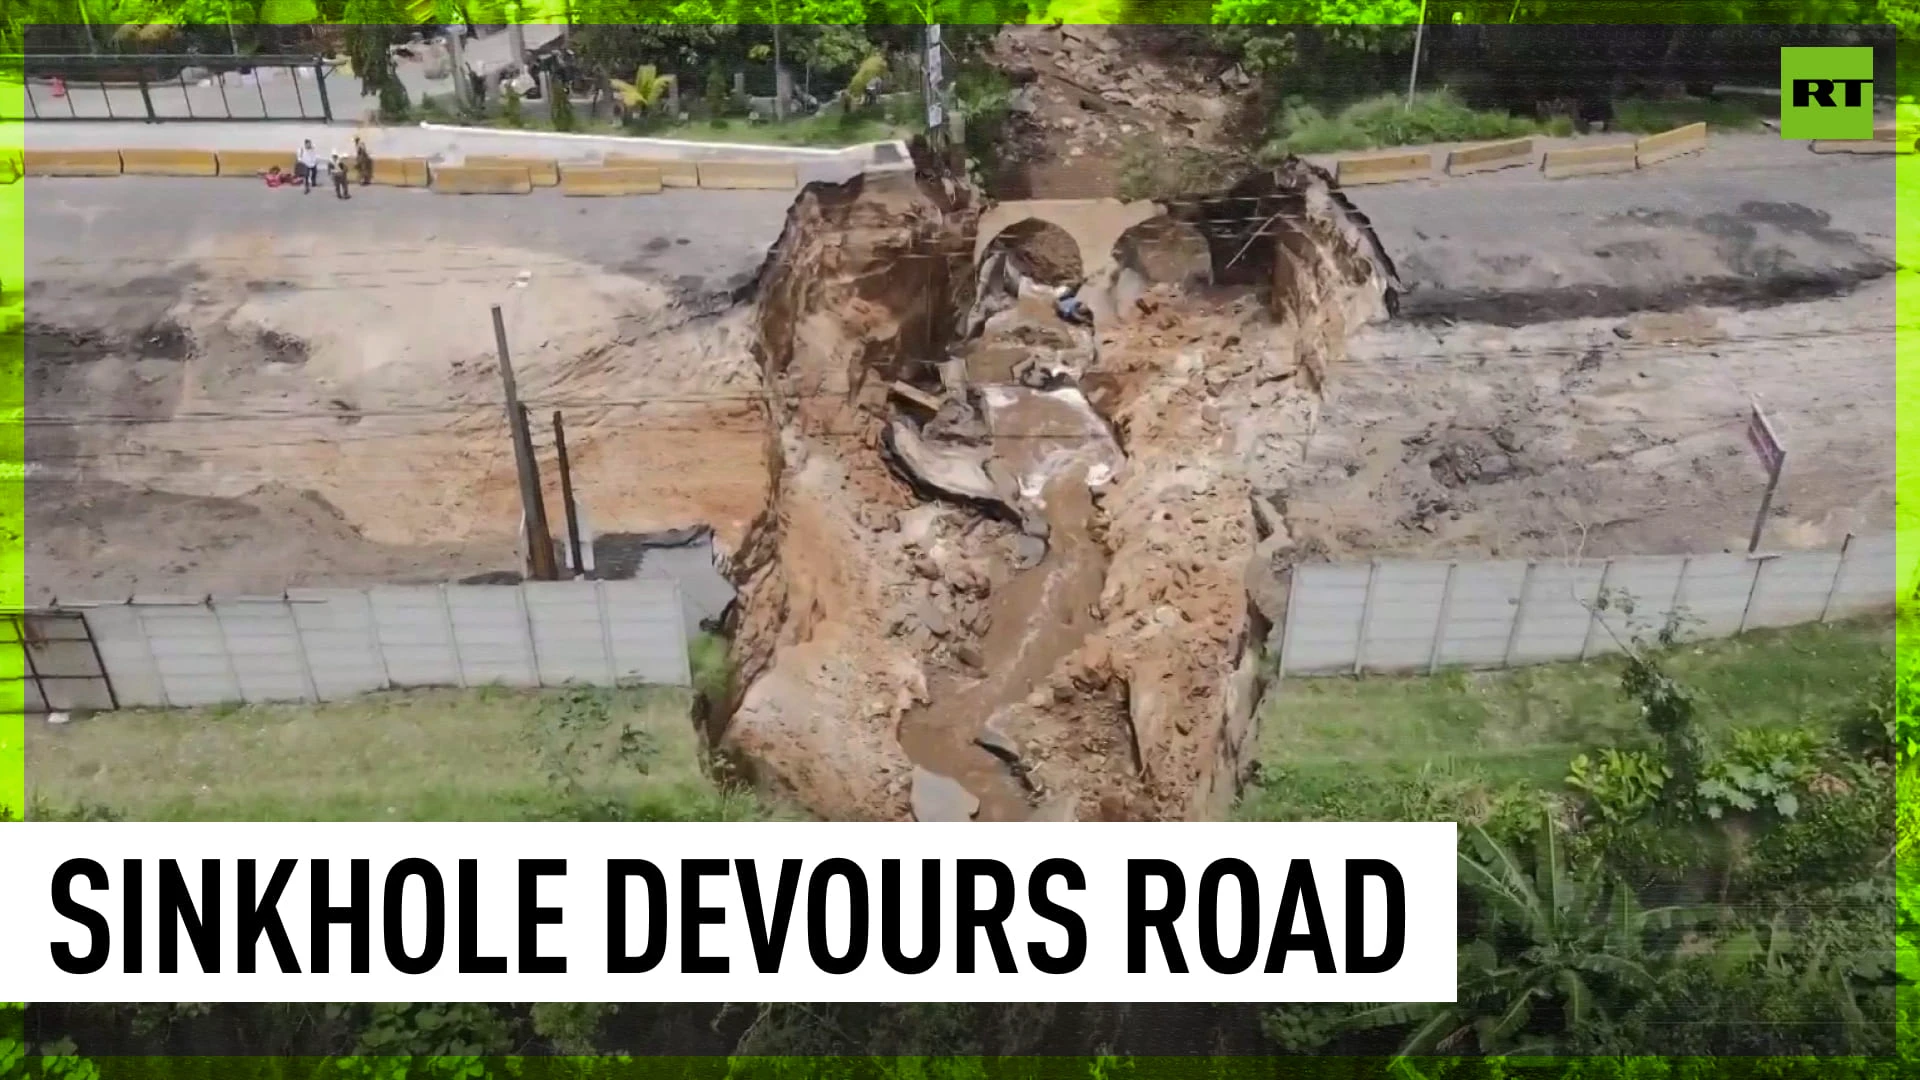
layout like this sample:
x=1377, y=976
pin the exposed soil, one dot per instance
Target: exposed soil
x=1066, y=632
x=262, y=384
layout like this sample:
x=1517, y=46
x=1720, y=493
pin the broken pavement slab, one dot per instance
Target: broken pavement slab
x=941, y=798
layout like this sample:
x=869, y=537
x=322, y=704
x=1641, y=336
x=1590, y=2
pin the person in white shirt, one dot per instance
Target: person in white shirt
x=309, y=161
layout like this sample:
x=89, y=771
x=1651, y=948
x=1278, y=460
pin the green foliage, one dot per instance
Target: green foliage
x=1385, y=120
x=438, y=1041
x=719, y=96
x=1566, y=950
x=560, y=107
x=571, y=1028
x=1762, y=771
x=511, y=113
x=1619, y=785
x=647, y=91
x=712, y=664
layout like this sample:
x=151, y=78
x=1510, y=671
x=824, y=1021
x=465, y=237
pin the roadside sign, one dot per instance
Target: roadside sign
x=1773, y=455
x=1766, y=444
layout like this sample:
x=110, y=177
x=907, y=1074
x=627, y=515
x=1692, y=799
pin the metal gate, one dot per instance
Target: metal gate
x=60, y=666
x=155, y=89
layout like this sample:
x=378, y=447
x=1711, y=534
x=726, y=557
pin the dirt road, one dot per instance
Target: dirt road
x=235, y=388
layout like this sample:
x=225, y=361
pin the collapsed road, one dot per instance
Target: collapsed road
x=1002, y=575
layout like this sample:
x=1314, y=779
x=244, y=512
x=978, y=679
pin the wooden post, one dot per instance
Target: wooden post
x=539, y=540
x=566, y=496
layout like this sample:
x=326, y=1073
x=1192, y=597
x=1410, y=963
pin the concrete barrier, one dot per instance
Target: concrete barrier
x=1690, y=139
x=72, y=162
x=1883, y=142
x=543, y=172
x=592, y=180
x=739, y=175
x=1489, y=156
x=400, y=172
x=482, y=180
x=169, y=163
x=1589, y=160
x=673, y=173
x=1383, y=168
x=251, y=163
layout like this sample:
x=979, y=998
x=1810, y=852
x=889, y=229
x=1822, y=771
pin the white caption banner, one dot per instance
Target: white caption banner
x=65, y=912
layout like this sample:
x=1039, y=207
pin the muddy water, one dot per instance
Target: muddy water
x=1054, y=444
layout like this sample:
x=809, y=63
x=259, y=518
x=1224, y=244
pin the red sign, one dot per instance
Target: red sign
x=1765, y=442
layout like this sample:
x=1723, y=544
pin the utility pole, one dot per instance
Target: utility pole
x=539, y=540
x=566, y=497
x=1419, y=37
x=779, y=89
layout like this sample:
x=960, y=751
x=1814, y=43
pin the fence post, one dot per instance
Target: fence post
x=300, y=646
x=1753, y=588
x=1593, y=613
x=320, y=80
x=1839, y=568
x=1366, y=618
x=1440, y=623
x=606, y=631
x=453, y=638
x=113, y=696
x=1519, y=613
x=1286, y=621
x=145, y=98
x=226, y=649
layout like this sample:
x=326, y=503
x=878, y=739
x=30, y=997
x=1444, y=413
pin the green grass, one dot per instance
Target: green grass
x=1437, y=116
x=1642, y=116
x=1334, y=746
x=489, y=754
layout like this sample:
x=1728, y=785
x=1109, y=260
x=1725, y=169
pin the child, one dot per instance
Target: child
x=276, y=178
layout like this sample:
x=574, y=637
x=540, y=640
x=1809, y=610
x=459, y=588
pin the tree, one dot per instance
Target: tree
x=375, y=25
x=1552, y=938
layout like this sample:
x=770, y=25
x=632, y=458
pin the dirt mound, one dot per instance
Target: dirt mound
x=1095, y=100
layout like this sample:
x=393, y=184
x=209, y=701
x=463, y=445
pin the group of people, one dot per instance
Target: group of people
x=307, y=165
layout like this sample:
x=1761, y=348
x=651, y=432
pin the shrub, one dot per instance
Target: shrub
x=510, y=112
x=561, y=107
x=1385, y=120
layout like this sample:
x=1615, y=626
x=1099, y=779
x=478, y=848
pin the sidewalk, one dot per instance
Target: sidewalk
x=438, y=143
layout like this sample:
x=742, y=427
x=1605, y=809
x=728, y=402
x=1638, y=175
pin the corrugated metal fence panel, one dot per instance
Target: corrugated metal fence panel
x=68, y=676
x=1867, y=578
x=1792, y=589
x=1403, y=616
x=1480, y=613
x=1640, y=593
x=645, y=631
x=1714, y=595
x=127, y=656
x=191, y=653
x=343, y=652
x=415, y=635
x=263, y=648
x=1556, y=615
x=490, y=628
x=1323, y=618
x=569, y=633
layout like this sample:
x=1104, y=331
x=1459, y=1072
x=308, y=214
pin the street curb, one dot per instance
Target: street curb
x=645, y=141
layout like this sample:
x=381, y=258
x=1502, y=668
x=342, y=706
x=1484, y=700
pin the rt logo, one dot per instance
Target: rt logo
x=1826, y=93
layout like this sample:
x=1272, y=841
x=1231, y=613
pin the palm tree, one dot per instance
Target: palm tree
x=647, y=90
x=1554, y=937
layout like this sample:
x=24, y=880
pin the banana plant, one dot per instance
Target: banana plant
x=645, y=93
x=1555, y=941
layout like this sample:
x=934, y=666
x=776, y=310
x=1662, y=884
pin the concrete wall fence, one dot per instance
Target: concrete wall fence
x=1420, y=616
x=475, y=175
x=331, y=644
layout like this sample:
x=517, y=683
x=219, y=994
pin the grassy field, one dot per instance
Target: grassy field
x=432, y=755
x=1333, y=745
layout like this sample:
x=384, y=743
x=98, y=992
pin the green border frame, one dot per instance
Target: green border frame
x=975, y=12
